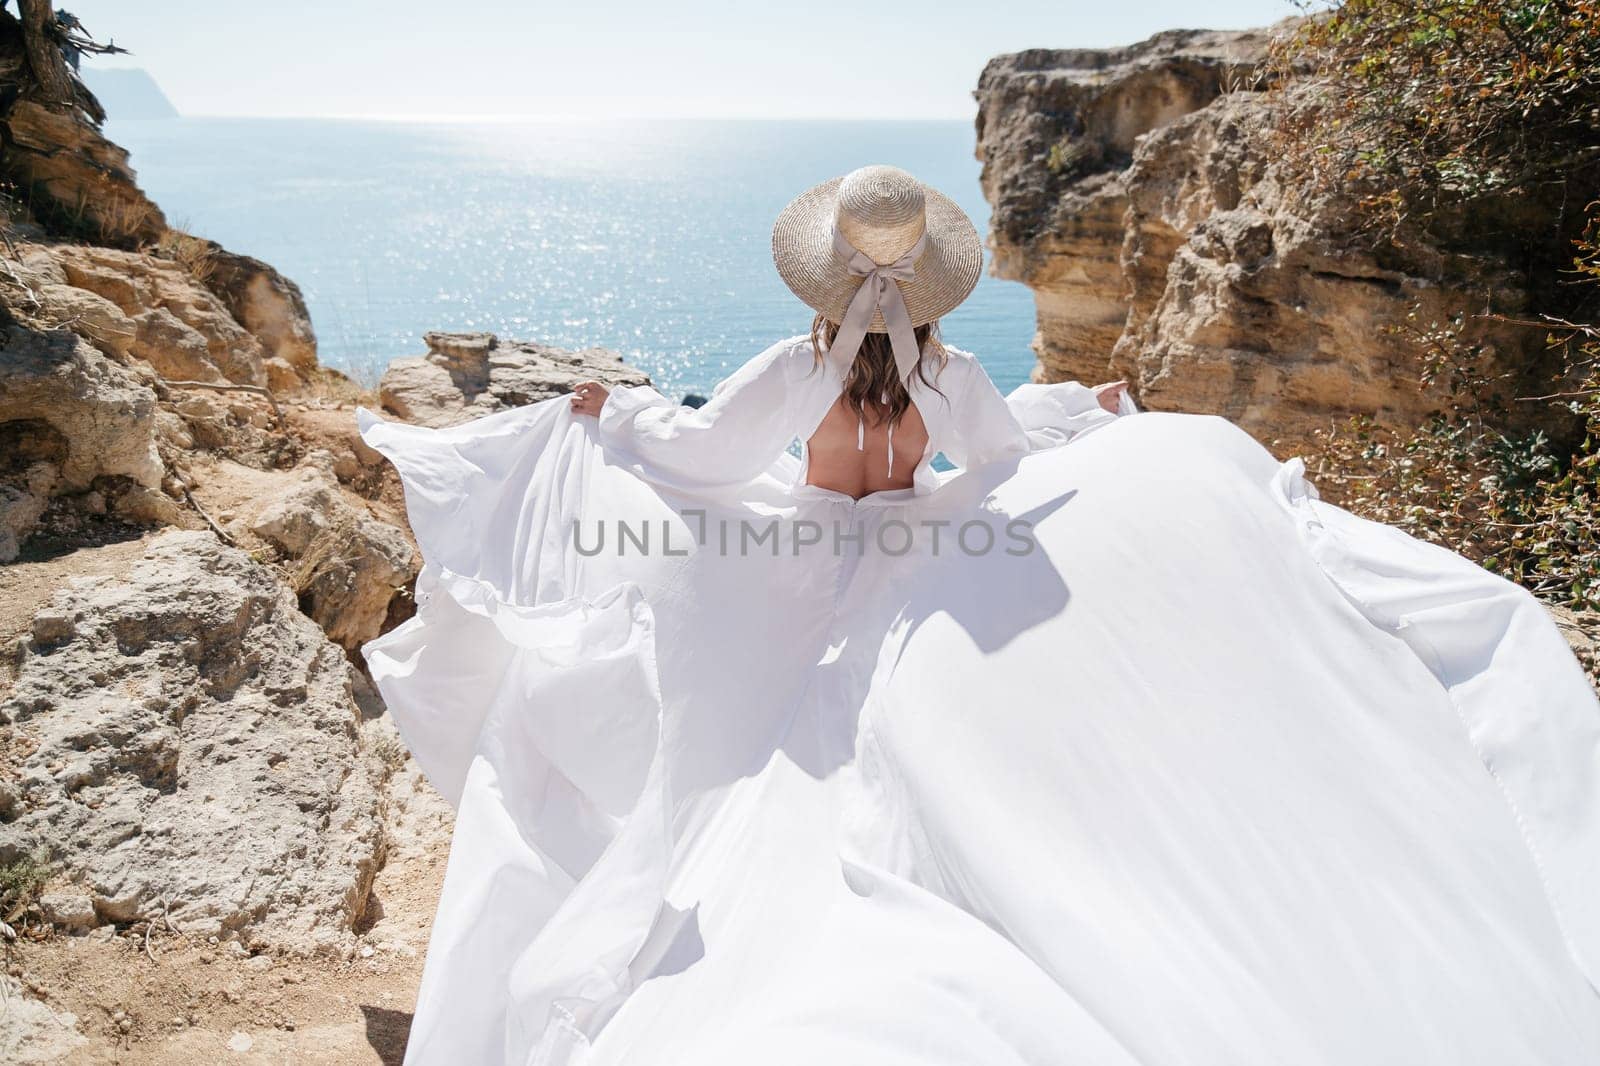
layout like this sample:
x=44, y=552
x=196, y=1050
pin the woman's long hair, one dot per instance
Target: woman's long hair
x=872, y=375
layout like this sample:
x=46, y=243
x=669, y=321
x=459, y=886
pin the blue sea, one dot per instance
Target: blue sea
x=651, y=238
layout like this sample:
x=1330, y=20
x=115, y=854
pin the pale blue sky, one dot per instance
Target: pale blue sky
x=815, y=58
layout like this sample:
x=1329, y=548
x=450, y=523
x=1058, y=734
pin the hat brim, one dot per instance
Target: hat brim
x=946, y=273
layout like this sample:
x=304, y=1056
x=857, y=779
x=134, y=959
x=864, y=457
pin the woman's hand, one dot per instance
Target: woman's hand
x=588, y=397
x=1110, y=394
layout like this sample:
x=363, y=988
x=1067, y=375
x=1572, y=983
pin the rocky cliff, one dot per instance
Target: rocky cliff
x=211, y=836
x=1140, y=194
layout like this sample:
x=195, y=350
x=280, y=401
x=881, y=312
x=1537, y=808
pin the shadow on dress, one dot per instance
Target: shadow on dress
x=994, y=596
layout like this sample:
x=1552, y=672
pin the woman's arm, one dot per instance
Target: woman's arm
x=738, y=433
x=991, y=426
x=1054, y=414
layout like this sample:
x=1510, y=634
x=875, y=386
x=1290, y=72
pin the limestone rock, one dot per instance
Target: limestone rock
x=469, y=375
x=91, y=316
x=1137, y=192
x=104, y=418
x=196, y=751
x=56, y=161
x=1090, y=107
x=267, y=304
x=182, y=328
x=74, y=176
x=72, y=911
x=32, y=1031
x=69, y=417
x=349, y=565
x=1057, y=130
x=22, y=504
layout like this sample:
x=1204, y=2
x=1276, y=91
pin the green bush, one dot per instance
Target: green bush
x=1440, y=115
x=1439, y=102
x=21, y=880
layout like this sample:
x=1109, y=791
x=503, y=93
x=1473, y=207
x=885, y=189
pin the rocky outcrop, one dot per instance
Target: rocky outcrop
x=72, y=422
x=74, y=175
x=266, y=304
x=118, y=365
x=157, y=311
x=194, y=768
x=63, y=402
x=1138, y=192
x=348, y=567
x=468, y=375
x=126, y=345
x=192, y=753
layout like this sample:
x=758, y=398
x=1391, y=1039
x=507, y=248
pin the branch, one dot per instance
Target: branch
x=76, y=40
x=1556, y=396
x=229, y=386
x=1545, y=322
x=201, y=511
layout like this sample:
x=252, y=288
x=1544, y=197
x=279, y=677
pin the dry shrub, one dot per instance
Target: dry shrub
x=1525, y=505
x=1453, y=118
x=195, y=254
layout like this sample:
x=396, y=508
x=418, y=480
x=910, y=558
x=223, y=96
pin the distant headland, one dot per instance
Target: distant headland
x=128, y=92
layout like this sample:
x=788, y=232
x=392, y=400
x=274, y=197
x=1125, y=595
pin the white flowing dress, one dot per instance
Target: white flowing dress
x=1215, y=773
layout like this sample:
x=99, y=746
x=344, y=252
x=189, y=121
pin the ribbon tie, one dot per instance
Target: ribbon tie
x=879, y=291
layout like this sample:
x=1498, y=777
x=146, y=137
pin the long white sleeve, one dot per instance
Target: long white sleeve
x=990, y=426
x=1056, y=413
x=745, y=425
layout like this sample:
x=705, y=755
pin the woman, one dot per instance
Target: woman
x=1128, y=751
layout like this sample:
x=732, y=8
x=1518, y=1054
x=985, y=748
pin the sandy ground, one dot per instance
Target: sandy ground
x=183, y=1000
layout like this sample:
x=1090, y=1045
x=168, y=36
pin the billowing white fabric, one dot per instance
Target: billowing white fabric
x=1217, y=774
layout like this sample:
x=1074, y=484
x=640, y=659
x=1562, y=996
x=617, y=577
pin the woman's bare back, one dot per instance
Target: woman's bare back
x=836, y=463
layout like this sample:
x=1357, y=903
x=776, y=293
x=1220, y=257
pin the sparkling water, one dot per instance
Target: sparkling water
x=652, y=238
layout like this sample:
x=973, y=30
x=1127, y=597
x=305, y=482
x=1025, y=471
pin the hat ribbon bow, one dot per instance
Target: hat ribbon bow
x=879, y=291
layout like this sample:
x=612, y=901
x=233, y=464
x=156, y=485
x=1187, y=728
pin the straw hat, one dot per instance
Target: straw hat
x=881, y=212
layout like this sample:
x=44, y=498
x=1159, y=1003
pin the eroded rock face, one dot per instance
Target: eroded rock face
x=74, y=175
x=70, y=420
x=349, y=565
x=57, y=162
x=1057, y=132
x=1091, y=107
x=1137, y=192
x=469, y=375
x=104, y=416
x=194, y=751
x=178, y=326
x=267, y=304
x=126, y=358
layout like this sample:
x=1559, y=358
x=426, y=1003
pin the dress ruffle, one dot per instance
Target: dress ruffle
x=533, y=705
x=1484, y=637
x=1179, y=786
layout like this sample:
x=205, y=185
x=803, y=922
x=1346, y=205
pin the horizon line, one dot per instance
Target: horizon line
x=563, y=117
